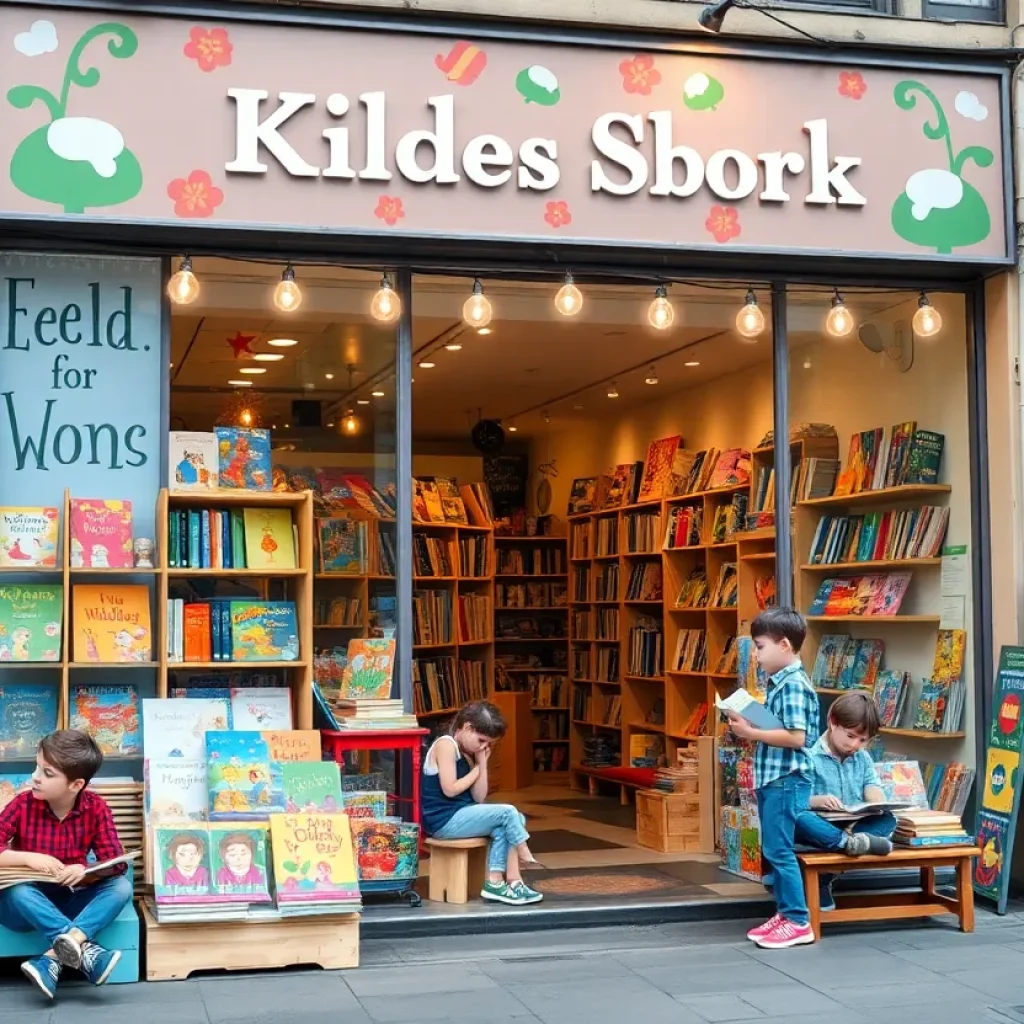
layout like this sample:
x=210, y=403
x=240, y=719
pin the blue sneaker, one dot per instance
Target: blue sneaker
x=44, y=973
x=98, y=963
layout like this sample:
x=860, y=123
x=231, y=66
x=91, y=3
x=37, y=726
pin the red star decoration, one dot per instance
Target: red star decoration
x=240, y=343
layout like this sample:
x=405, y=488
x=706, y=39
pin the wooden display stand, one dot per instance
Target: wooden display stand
x=174, y=951
x=511, y=764
x=681, y=822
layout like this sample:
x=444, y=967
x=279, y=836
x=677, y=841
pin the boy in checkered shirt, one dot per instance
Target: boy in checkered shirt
x=53, y=828
x=782, y=770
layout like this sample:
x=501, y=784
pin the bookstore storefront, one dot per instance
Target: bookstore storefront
x=487, y=256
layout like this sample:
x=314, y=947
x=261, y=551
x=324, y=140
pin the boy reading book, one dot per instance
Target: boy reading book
x=782, y=769
x=844, y=777
x=53, y=828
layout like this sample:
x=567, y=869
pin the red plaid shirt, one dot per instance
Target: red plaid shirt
x=28, y=824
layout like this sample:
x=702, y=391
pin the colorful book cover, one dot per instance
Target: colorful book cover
x=111, y=623
x=242, y=779
x=888, y=692
x=238, y=859
x=110, y=715
x=243, y=458
x=931, y=708
x=30, y=622
x=29, y=536
x=619, y=487
x=261, y=708
x=192, y=460
x=313, y=858
x=269, y=540
x=293, y=745
x=366, y=803
x=949, y=655
x=733, y=467
x=866, y=663
x=820, y=602
x=174, y=728
x=101, y=534
x=176, y=790
x=583, y=495
x=887, y=600
x=386, y=850
x=369, y=669
x=264, y=631
x=829, y=660
x=11, y=785
x=342, y=551
x=28, y=712
x=182, y=872
x=902, y=782
x=657, y=476
x=312, y=786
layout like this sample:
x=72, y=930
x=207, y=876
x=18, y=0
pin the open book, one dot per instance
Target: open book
x=740, y=702
x=857, y=811
x=13, y=876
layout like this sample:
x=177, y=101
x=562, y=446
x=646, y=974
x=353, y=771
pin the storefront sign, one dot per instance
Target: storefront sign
x=360, y=132
x=80, y=355
x=1000, y=798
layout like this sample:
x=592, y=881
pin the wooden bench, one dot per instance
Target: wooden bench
x=458, y=868
x=893, y=905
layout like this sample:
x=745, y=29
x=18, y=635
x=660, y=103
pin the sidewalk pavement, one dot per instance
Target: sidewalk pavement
x=680, y=973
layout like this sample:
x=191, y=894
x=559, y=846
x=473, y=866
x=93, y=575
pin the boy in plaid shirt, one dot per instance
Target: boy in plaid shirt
x=782, y=769
x=52, y=829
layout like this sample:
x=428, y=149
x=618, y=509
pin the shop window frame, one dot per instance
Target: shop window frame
x=967, y=13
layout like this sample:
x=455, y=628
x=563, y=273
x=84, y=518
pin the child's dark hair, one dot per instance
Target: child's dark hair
x=73, y=753
x=237, y=839
x=779, y=624
x=856, y=711
x=482, y=717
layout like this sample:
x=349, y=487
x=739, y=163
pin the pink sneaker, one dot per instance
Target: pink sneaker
x=786, y=934
x=764, y=929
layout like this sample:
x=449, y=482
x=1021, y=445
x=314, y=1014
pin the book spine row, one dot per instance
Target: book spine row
x=206, y=539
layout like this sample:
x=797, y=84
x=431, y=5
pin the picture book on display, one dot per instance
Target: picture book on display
x=243, y=459
x=269, y=538
x=293, y=745
x=583, y=495
x=861, y=595
x=342, y=545
x=110, y=715
x=624, y=485
x=28, y=712
x=173, y=728
x=264, y=631
x=844, y=663
x=101, y=534
x=368, y=670
x=176, y=790
x=181, y=869
x=386, y=849
x=192, y=460
x=260, y=708
x=11, y=785
x=312, y=786
x=365, y=803
x=239, y=863
x=891, y=688
x=30, y=622
x=244, y=784
x=313, y=859
x=658, y=468
x=29, y=536
x=111, y=623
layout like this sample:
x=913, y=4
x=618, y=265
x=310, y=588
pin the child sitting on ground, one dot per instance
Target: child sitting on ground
x=60, y=815
x=844, y=775
x=452, y=799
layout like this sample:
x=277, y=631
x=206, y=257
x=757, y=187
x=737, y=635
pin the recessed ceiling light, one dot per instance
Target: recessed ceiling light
x=282, y=342
x=268, y=357
x=241, y=383
x=377, y=394
x=427, y=365
x=362, y=401
x=253, y=370
x=331, y=424
x=484, y=330
x=287, y=426
x=454, y=347
x=329, y=376
x=273, y=426
x=512, y=428
x=692, y=363
x=310, y=386
x=577, y=408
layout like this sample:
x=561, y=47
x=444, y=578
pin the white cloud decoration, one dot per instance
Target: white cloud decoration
x=968, y=105
x=39, y=39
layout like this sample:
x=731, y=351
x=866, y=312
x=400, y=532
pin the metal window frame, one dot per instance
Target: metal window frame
x=995, y=15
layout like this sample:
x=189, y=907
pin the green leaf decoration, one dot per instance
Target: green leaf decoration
x=966, y=223
x=702, y=92
x=290, y=866
x=23, y=96
x=304, y=870
x=536, y=84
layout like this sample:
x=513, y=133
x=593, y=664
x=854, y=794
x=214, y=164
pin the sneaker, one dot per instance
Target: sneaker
x=502, y=892
x=763, y=929
x=98, y=963
x=785, y=934
x=68, y=950
x=44, y=973
x=860, y=843
x=522, y=889
x=825, y=897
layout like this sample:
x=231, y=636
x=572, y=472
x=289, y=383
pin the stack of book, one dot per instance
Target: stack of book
x=920, y=827
x=372, y=714
x=679, y=778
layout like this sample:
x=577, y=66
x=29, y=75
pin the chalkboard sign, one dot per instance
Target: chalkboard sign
x=507, y=476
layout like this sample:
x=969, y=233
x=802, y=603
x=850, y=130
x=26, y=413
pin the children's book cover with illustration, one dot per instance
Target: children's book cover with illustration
x=110, y=715
x=30, y=622
x=341, y=545
x=244, y=783
x=264, y=631
x=902, y=782
x=28, y=712
x=111, y=623
x=312, y=786
x=11, y=785
x=238, y=858
x=366, y=803
x=368, y=670
x=182, y=870
x=192, y=460
x=176, y=790
x=243, y=458
x=313, y=858
x=386, y=850
x=261, y=708
x=269, y=540
x=101, y=534
x=293, y=745
x=174, y=728
x=29, y=536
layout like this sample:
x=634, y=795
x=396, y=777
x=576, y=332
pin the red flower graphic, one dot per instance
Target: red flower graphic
x=557, y=214
x=723, y=222
x=210, y=48
x=389, y=209
x=852, y=84
x=639, y=75
x=195, y=196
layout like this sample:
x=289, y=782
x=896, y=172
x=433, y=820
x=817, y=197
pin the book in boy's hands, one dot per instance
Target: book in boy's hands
x=864, y=810
x=14, y=876
x=740, y=702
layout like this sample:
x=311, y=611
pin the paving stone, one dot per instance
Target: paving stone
x=535, y=971
x=684, y=959
x=723, y=1007
x=885, y=994
x=420, y=978
x=964, y=957
x=780, y=999
x=499, y=1005
x=615, y=1000
x=711, y=978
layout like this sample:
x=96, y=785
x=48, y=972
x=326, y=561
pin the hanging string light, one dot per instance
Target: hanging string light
x=386, y=305
x=287, y=294
x=660, y=313
x=613, y=390
x=350, y=424
x=652, y=375
x=476, y=310
x=183, y=287
x=750, y=319
x=839, y=322
x=927, y=320
x=569, y=299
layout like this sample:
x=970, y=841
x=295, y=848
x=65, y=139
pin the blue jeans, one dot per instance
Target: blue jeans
x=55, y=909
x=779, y=805
x=814, y=830
x=502, y=822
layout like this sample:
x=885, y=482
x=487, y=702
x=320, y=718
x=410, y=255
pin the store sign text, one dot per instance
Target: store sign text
x=620, y=168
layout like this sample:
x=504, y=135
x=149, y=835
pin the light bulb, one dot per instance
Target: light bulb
x=613, y=391
x=350, y=424
x=287, y=294
x=377, y=394
x=927, y=321
x=660, y=313
x=839, y=322
x=569, y=299
x=453, y=346
x=750, y=319
x=512, y=428
x=282, y=343
x=268, y=357
x=386, y=306
x=652, y=377
x=245, y=417
x=183, y=287
x=476, y=310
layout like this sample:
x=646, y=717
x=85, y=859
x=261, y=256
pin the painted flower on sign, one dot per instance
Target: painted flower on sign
x=852, y=84
x=195, y=196
x=723, y=222
x=210, y=48
x=557, y=214
x=390, y=210
x=639, y=75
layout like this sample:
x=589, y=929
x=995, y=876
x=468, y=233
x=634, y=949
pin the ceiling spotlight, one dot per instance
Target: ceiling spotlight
x=546, y=416
x=569, y=299
x=241, y=383
x=839, y=322
x=287, y=426
x=377, y=394
x=660, y=313
x=329, y=376
x=281, y=343
x=453, y=346
x=268, y=357
x=692, y=362
x=427, y=365
x=512, y=428
x=183, y=287
x=476, y=310
x=927, y=321
x=287, y=294
x=386, y=305
x=362, y=401
x=652, y=375
x=750, y=319
x=484, y=330
x=711, y=17
x=613, y=390
x=253, y=370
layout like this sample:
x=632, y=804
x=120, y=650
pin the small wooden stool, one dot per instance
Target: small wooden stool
x=458, y=868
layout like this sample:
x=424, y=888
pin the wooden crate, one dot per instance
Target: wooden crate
x=173, y=951
x=673, y=822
